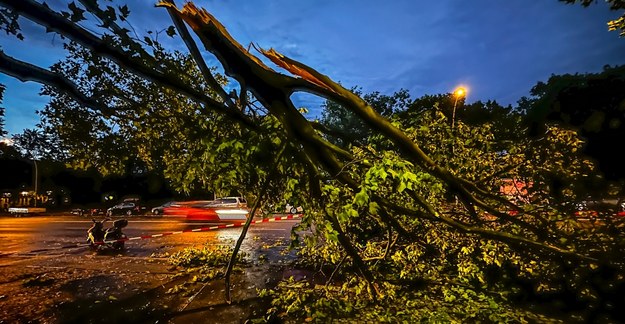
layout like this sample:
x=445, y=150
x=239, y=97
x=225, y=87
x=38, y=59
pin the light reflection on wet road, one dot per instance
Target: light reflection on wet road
x=51, y=235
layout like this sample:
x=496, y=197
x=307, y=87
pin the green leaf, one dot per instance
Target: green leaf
x=171, y=31
x=123, y=10
x=361, y=198
x=77, y=13
x=373, y=208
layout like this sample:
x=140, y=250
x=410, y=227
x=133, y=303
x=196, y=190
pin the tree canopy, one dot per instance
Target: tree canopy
x=593, y=104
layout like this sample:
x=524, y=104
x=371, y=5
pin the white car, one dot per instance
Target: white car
x=228, y=202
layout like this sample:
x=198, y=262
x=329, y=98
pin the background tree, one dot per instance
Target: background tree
x=346, y=128
x=37, y=144
x=593, y=104
x=6, y=150
x=3, y=132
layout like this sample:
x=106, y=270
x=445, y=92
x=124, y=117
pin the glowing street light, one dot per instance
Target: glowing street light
x=459, y=92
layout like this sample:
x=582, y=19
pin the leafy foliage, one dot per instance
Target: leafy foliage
x=438, y=274
x=206, y=256
x=201, y=265
x=348, y=128
x=35, y=144
x=9, y=24
x=297, y=301
x=6, y=150
x=613, y=25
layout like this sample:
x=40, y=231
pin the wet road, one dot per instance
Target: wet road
x=49, y=235
x=49, y=275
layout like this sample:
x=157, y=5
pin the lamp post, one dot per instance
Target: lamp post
x=459, y=92
x=36, y=179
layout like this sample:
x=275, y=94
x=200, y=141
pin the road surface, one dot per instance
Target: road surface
x=46, y=235
x=48, y=274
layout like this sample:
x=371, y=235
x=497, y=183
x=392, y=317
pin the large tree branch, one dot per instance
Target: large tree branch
x=24, y=71
x=197, y=56
x=268, y=86
x=324, y=86
x=273, y=90
x=44, y=16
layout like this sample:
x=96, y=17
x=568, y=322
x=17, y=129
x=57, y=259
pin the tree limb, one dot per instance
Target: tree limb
x=44, y=16
x=24, y=71
x=248, y=222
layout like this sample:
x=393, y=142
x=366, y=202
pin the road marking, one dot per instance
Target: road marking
x=280, y=218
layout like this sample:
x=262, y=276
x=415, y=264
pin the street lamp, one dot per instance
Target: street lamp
x=459, y=92
x=36, y=180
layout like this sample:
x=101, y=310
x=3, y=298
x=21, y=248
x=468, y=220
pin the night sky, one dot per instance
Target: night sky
x=497, y=49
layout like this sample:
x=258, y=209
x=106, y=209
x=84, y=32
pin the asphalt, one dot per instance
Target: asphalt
x=111, y=287
x=118, y=289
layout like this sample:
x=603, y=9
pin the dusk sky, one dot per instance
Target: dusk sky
x=497, y=49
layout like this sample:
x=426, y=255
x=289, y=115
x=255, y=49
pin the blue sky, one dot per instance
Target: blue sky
x=498, y=49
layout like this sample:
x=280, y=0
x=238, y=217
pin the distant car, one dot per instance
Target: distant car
x=228, y=202
x=597, y=208
x=159, y=210
x=127, y=208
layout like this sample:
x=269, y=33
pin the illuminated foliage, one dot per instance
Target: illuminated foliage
x=613, y=25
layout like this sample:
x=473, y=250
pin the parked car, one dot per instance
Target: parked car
x=597, y=208
x=159, y=210
x=228, y=202
x=127, y=208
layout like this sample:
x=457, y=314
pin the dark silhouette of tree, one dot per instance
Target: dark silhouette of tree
x=3, y=132
x=593, y=104
x=345, y=128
